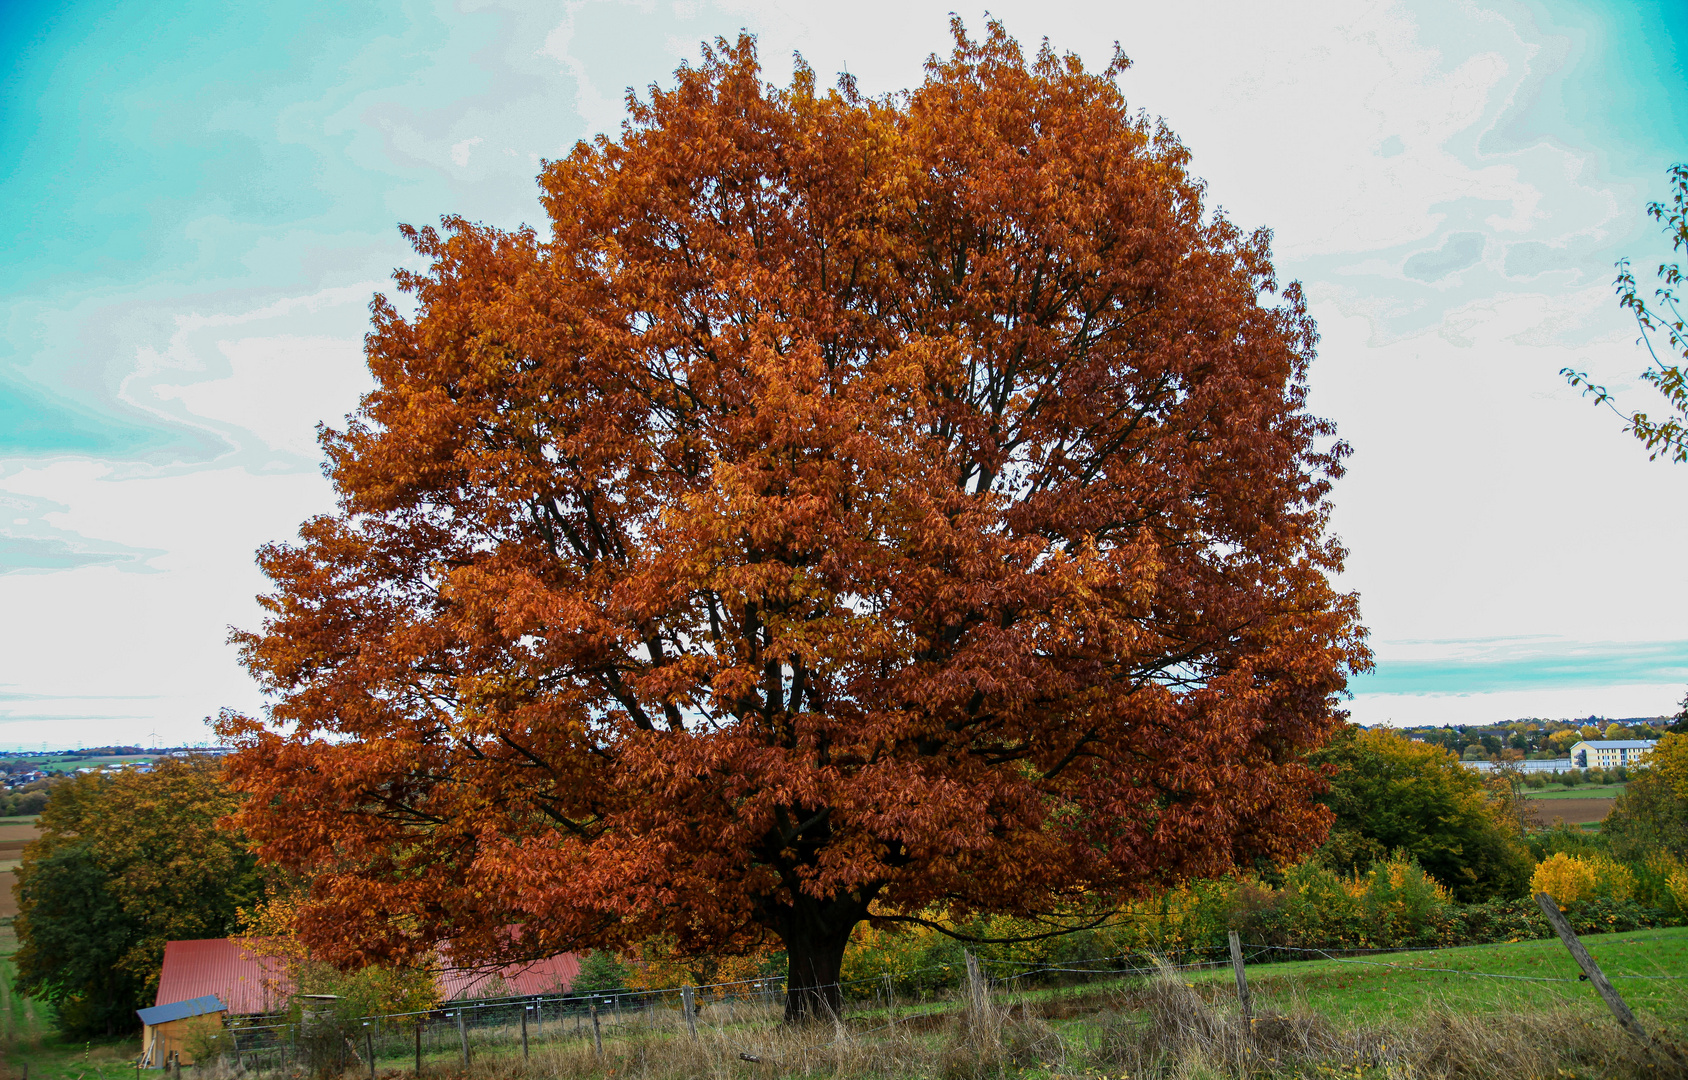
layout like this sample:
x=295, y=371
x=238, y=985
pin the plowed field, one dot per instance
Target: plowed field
x=13, y=839
x=1574, y=811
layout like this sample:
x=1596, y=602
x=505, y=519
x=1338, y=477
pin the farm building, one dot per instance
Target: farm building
x=247, y=981
x=238, y=972
x=552, y=975
x=165, y=1029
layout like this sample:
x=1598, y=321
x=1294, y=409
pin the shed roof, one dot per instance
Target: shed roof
x=180, y=1010
x=237, y=971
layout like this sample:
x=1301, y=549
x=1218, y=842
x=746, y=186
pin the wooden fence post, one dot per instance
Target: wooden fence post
x=419, y=1049
x=369, y=1047
x=463, y=1038
x=690, y=1011
x=524, y=1033
x=1550, y=908
x=1242, y=979
x=597, y=1035
x=978, y=994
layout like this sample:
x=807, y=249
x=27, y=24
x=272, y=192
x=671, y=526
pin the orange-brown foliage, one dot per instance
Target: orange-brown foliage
x=853, y=502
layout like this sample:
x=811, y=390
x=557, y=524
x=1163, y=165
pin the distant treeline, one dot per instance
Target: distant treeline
x=1536, y=738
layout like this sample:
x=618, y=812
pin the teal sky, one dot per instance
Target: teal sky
x=200, y=198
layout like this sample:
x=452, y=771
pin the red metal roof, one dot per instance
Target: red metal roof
x=553, y=975
x=250, y=982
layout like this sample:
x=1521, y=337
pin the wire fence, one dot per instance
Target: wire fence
x=456, y=1033
x=461, y=1029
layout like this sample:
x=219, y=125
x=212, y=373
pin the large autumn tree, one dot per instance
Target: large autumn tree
x=853, y=508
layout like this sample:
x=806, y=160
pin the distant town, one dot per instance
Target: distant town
x=25, y=777
x=1534, y=744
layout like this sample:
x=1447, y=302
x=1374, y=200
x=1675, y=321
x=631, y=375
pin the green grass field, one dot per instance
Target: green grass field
x=1581, y=791
x=69, y=765
x=1399, y=985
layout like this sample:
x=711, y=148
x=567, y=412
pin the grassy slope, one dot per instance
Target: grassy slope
x=1372, y=991
x=27, y=1035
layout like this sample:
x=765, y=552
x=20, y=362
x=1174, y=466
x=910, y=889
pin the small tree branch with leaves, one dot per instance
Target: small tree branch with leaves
x=1662, y=325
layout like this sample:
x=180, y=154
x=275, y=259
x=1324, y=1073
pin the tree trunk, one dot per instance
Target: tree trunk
x=811, y=985
x=815, y=933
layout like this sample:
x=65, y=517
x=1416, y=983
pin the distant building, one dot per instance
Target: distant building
x=243, y=980
x=1537, y=765
x=1609, y=753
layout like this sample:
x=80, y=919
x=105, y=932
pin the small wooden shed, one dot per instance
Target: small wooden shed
x=166, y=1027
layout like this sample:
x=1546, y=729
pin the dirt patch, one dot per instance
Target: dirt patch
x=1574, y=811
x=24, y=832
x=8, y=902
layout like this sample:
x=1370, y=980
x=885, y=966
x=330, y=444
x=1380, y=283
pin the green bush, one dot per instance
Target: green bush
x=206, y=1042
x=601, y=970
x=1395, y=905
x=1390, y=794
x=1653, y=882
x=1535, y=780
x=1567, y=838
x=1648, y=816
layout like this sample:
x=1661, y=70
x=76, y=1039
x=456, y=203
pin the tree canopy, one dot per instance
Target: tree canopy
x=1391, y=794
x=852, y=508
x=125, y=862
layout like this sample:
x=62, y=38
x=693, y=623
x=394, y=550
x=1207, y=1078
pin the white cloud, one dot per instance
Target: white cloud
x=279, y=388
x=100, y=654
x=460, y=150
x=273, y=372
x=1619, y=701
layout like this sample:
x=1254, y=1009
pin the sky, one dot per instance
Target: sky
x=200, y=199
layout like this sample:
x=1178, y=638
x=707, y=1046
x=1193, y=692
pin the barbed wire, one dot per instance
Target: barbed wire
x=639, y=1000
x=1460, y=971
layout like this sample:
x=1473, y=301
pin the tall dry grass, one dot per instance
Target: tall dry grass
x=1187, y=1037
x=1164, y=1028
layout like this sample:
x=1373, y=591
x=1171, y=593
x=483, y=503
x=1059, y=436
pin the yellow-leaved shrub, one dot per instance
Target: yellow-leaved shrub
x=1569, y=878
x=1677, y=883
